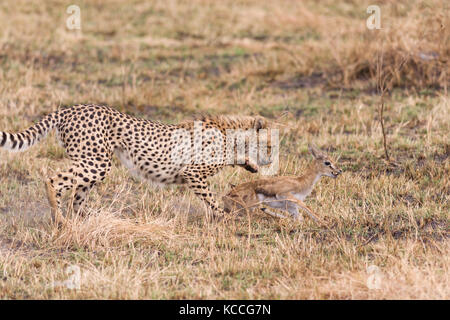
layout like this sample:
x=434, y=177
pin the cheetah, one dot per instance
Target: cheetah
x=92, y=134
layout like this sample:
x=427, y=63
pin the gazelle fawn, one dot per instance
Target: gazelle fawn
x=284, y=193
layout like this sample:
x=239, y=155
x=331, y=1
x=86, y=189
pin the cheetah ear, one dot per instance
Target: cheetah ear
x=316, y=153
x=260, y=123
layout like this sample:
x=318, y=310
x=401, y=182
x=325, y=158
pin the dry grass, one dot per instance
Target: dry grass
x=166, y=60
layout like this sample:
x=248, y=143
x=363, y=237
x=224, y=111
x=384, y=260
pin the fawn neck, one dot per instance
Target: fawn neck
x=309, y=178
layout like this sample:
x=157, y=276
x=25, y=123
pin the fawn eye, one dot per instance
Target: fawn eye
x=327, y=163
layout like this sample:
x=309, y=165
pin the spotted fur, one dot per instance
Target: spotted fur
x=91, y=134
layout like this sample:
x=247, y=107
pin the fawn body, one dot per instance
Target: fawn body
x=284, y=193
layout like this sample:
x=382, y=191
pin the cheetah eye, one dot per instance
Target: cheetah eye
x=327, y=163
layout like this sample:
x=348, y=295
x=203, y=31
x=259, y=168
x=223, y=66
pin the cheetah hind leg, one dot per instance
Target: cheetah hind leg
x=54, y=202
x=79, y=197
x=85, y=180
x=55, y=187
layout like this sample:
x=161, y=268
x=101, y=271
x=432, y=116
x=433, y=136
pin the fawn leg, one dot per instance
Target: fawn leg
x=302, y=205
x=273, y=214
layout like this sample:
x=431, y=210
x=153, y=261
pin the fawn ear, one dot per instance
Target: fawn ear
x=316, y=153
x=260, y=123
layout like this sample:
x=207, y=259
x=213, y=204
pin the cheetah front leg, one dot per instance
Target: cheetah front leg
x=200, y=187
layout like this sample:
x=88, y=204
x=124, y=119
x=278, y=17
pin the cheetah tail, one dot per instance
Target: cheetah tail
x=25, y=139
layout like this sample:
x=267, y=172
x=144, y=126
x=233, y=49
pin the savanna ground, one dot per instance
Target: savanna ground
x=314, y=62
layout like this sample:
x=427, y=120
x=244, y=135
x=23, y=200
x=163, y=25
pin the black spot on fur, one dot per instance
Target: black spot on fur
x=2, y=143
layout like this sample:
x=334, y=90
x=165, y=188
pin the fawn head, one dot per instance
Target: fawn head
x=323, y=164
